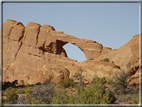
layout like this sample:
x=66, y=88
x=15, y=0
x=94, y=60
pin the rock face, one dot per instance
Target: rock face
x=35, y=53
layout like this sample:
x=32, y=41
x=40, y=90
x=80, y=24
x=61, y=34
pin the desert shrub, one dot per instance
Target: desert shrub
x=131, y=90
x=105, y=60
x=69, y=82
x=120, y=83
x=135, y=100
x=30, y=99
x=20, y=92
x=27, y=99
x=21, y=100
x=44, y=94
x=38, y=83
x=98, y=80
x=125, y=98
x=46, y=82
x=109, y=82
x=82, y=84
x=10, y=89
x=39, y=95
x=84, y=97
x=93, y=95
x=11, y=96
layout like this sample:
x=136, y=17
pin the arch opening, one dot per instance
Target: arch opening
x=74, y=52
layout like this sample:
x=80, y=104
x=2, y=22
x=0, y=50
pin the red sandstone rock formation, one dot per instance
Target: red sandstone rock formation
x=27, y=50
x=127, y=57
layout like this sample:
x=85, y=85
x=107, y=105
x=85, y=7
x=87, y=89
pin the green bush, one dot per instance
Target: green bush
x=98, y=80
x=135, y=100
x=29, y=99
x=46, y=82
x=38, y=83
x=11, y=96
x=43, y=93
x=20, y=92
x=109, y=82
x=120, y=83
x=10, y=89
x=82, y=84
x=39, y=95
x=105, y=60
x=93, y=95
x=69, y=82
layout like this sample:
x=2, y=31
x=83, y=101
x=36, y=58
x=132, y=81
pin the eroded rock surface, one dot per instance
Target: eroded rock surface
x=27, y=50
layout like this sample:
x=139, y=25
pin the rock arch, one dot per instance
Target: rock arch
x=91, y=49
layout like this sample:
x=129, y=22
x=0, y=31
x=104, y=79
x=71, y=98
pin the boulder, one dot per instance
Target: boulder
x=55, y=73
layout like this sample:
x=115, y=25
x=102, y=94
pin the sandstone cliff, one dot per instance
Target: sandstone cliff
x=35, y=53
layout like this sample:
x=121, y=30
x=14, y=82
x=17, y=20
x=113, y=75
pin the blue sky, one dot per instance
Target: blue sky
x=111, y=24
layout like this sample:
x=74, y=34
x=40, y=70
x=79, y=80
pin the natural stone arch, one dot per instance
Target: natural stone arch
x=91, y=49
x=77, y=51
x=54, y=44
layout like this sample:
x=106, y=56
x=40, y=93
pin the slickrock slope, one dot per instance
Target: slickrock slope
x=127, y=57
x=35, y=53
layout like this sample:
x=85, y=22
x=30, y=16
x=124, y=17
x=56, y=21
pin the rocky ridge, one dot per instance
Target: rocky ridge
x=35, y=53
